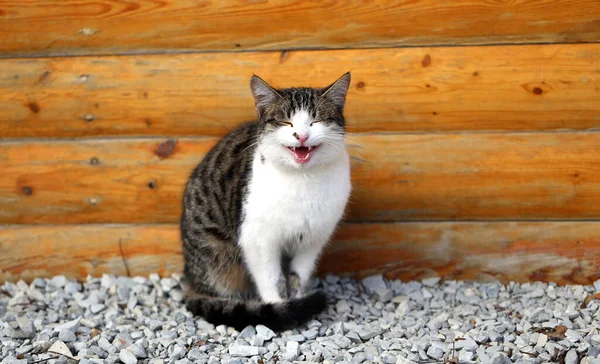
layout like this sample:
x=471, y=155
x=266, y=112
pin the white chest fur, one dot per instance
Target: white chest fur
x=292, y=213
x=294, y=202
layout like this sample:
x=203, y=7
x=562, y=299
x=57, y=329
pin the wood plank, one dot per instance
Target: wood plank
x=507, y=88
x=78, y=27
x=563, y=252
x=403, y=177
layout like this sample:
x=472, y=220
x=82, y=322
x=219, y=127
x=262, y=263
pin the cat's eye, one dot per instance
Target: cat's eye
x=314, y=122
x=287, y=123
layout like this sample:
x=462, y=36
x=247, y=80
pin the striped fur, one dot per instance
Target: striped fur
x=220, y=284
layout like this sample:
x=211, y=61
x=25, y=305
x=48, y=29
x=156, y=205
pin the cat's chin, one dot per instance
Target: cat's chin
x=302, y=155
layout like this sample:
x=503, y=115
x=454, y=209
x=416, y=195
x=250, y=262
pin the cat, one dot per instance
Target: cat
x=262, y=204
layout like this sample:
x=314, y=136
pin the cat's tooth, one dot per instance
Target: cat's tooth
x=307, y=155
x=294, y=149
x=310, y=148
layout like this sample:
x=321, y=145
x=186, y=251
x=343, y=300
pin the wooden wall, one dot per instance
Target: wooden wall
x=473, y=129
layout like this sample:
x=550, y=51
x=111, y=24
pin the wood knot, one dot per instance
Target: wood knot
x=28, y=191
x=94, y=161
x=88, y=117
x=152, y=184
x=426, y=60
x=93, y=201
x=87, y=32
x=537, y=88
x=360, y=84
x=34, y=107
x=44, y=77
x=166, y=148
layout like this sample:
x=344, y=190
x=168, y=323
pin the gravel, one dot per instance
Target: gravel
x=142, y=320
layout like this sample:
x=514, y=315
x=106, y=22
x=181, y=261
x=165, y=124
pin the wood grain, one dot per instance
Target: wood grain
x=402, y=177
x=563, y=252
x=79, y=27
x=504, y=88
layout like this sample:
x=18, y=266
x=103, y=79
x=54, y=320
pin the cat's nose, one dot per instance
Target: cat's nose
x=302, y=138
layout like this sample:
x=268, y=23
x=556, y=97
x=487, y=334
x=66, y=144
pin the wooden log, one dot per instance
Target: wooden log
x=56, y=27
x=405, y=177
x=507, y=88
x=562, y=252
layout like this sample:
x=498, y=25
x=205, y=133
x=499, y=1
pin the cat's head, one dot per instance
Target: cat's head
x=301, y=127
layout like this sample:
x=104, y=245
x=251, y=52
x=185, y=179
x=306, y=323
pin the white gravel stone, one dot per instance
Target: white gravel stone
x=69, y=325
x=310, y=334
x=371, y=321
x=431, y=282
x=467, y=344
x=373, y=283
x=127, y=357
x=542, y=340
x=435, y=352
x=265, y=332
x=67, y=336
x=243, y=350
x=500, y=358
x=292, y=350
x=247, y=332
x=571, y=357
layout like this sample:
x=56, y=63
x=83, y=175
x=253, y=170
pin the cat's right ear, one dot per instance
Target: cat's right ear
x=264, y=94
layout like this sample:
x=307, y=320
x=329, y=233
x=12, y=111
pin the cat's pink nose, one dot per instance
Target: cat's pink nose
x=302, y=138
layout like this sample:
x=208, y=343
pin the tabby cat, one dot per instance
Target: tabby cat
x=262, y=204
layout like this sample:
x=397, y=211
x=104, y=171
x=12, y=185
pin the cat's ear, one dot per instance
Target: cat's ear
x=338, y=90
x=264, y=94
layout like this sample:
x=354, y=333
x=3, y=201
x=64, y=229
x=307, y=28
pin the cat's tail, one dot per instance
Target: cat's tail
x=239, y=314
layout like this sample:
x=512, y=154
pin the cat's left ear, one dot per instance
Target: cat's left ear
x=338, y=90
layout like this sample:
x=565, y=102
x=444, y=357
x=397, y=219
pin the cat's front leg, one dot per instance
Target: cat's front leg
x=301, y=269
x=263, y=259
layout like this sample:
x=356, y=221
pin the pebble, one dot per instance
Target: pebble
x=465, y=356
x=571, y=357
x=265, y=332
x=310, y=334
x=542, y=340
x=500, y=358
x=68, y=326
x=67, y=336
x=247, y=332
x=243, y=350
x=467, y=344
x=373, y=283
x=121, y=319
x=292, y=350
x=384, y=294
x=435, y=352
x=138, y=351
x=431, y=282
x=127, y=357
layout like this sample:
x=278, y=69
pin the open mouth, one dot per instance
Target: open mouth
x=302, y=154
